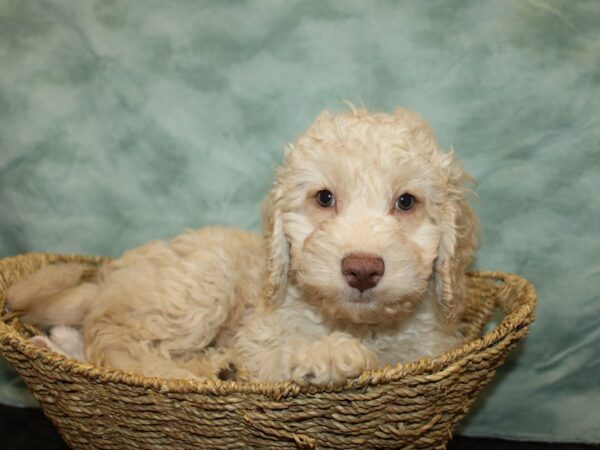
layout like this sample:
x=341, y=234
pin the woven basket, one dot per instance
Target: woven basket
x=411, y=406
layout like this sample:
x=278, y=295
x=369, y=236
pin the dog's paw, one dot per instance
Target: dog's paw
x=349, y=357
x=69, y=339
x=311, y=364
x=45, y=342
x=335, y=358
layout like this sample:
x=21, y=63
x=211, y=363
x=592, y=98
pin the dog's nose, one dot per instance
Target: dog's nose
x=362, y=272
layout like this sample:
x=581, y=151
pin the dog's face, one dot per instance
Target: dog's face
x=368, y=217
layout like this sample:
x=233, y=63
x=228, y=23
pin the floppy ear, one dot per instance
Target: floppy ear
x=459, y=224
x=278, y=258
x=460, y=230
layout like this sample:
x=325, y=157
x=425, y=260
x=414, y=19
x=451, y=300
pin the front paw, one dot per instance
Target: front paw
x=349, y=357
x=333, y=359
x=311, y=364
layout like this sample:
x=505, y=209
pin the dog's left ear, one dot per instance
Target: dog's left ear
x=459, y=224
x=460, y=232
x=278, y=258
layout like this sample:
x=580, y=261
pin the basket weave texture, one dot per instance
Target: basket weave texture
x=412, y=406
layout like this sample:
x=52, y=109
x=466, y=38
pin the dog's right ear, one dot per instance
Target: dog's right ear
x=278, y=254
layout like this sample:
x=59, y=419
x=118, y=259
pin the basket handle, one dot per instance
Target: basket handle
x=515, y=295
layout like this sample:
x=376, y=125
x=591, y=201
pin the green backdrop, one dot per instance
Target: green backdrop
x=125, y=121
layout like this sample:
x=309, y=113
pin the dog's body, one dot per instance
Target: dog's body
x=367, y=238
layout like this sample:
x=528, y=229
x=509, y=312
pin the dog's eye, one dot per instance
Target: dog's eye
x=325, y=198
x=405, y=202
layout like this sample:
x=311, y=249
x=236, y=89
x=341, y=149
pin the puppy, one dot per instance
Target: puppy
x=367, y=236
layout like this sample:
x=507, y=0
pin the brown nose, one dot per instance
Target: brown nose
x=362, y=271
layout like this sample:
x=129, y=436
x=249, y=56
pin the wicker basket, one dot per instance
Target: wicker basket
x=415, y=405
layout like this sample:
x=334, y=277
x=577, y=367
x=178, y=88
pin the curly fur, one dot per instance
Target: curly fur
x=279, y=308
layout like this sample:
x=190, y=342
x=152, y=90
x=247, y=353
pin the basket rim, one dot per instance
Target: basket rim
x=426, y=370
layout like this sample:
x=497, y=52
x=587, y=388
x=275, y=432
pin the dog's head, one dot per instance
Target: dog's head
x=367, y=216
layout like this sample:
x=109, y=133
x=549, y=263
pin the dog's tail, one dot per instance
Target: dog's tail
x=57, y=294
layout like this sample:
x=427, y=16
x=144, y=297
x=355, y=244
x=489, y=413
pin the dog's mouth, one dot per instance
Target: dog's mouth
x=357, y=297
x=373, y=299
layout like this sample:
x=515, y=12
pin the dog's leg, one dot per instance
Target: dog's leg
x=52, y=296
x=286, y=346
x=148, y=332
x=141, y=360
x=333, y=358
x=166, y=302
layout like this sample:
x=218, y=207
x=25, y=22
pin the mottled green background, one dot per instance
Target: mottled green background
x=125, y=121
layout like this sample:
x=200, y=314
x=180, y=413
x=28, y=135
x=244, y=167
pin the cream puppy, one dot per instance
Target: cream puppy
x=367, y=236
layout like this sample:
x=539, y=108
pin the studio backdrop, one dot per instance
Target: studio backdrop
x=126, y=121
